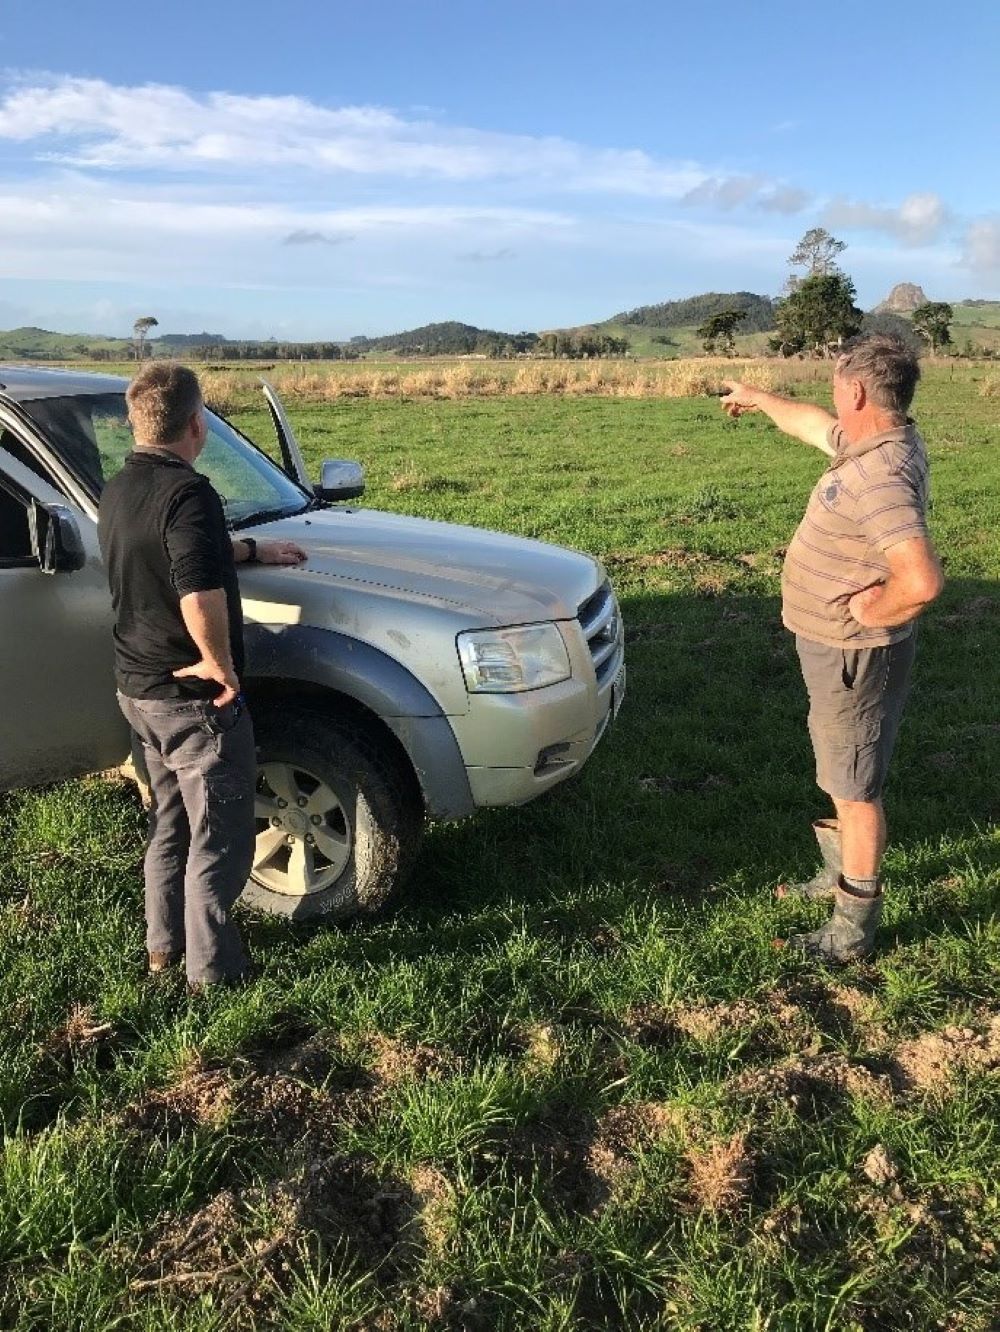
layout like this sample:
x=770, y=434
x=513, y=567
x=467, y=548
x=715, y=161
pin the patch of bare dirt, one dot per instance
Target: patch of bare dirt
x=946, y=761
x=244, y=1240
x=650, y=1025
x=542, y=1046
x=932, y=1227
x=852, y=1004
x=928, y=1062
x=605, y=939
x=879, y=1167
x=201, y=1096
x=624, y=1131
x=394, y=1061
x=268, y=1106
x=555, y=1150
x=433, y=1306
x=434, y=1210
x=809, y=1082
x=705, y=1022
x=720, y=1174
x=674, y=557
x=312, y=1060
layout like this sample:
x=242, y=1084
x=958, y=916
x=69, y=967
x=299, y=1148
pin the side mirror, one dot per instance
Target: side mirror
x=56, y=542
x=340, y=480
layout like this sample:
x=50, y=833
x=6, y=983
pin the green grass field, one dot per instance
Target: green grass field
x=567, y=1083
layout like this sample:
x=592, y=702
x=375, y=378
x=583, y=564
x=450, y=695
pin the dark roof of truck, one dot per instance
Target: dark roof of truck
x=23, y=383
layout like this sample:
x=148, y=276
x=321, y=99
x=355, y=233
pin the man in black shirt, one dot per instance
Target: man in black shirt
x=171, y=565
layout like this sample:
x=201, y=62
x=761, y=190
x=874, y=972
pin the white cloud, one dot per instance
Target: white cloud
x=918, y=220
x=94, y=124
x=981, y=248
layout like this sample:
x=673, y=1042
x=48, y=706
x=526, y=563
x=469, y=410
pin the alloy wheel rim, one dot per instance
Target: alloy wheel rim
x=304, y=839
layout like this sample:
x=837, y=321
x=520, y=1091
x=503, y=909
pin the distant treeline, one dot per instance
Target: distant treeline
x=698, y=309
x=450, y=338
x=580, y=344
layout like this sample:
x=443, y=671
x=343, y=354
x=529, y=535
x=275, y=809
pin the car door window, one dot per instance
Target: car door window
x=15, y=533
x=91, y=433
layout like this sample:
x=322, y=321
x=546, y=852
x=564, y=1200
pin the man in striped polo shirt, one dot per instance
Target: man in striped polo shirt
x=859, y=570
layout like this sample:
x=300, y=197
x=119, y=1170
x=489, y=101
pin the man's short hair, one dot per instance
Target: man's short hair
x=886, y=366
x=161, y=399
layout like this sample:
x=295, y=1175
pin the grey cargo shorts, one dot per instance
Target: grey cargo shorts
x=856, y=698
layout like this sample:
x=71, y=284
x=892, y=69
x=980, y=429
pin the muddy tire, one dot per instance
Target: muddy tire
x=339, y=819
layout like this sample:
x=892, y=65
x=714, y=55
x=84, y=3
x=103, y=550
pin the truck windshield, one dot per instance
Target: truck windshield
x=91, y=434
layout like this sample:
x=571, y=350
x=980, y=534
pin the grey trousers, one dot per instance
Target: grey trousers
x=202, y=773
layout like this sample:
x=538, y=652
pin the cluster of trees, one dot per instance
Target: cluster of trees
x=580, y=344
x=931, y=322
x=718, y=334
x=819, y=312
x=450, y=338
x=758, y=311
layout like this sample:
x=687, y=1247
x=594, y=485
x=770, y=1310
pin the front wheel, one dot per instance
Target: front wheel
x=338, y=820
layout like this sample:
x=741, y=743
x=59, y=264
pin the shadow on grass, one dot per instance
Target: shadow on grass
x=706, y=782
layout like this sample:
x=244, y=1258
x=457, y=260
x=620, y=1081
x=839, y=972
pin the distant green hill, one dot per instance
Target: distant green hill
x=694, y=310
x=449, y=338
x=38, y=344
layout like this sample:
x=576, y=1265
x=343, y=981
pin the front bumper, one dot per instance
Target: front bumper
x=517, y=746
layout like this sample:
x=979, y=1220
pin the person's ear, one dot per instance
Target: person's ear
x=858, y=395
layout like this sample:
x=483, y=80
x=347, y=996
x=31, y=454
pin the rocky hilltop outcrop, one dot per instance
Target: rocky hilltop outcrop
x=904, y=298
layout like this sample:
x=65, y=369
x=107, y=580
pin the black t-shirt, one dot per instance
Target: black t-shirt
x=163, y=535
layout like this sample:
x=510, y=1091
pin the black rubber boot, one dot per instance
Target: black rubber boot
x=849, y=934
x=824, y=882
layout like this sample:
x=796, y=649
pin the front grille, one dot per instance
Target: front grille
x=602, y=627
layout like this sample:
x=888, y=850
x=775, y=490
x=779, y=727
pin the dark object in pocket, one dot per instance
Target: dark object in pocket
x=220, y=720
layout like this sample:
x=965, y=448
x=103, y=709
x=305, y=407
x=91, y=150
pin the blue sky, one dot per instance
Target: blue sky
x=320, y=170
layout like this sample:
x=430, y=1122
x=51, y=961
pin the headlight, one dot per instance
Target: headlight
x=508, y=661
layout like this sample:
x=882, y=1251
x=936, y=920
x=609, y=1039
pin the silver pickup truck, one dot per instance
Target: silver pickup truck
x=408, y=671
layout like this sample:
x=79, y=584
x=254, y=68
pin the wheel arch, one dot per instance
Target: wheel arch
x=340, y=676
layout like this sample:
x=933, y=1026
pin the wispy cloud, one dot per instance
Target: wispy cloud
x=488, y=256
x=918, y=220
x=304, y=237
x=786, y=199
x=724, y=192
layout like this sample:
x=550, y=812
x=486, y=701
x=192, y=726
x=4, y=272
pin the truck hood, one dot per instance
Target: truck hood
x=504, y=579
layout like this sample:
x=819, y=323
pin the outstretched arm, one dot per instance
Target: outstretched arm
x=803, y=420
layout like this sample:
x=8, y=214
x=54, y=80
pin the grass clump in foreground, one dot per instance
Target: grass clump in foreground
x=566, y=1083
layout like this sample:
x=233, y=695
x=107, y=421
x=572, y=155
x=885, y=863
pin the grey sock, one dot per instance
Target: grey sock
x=861, y=887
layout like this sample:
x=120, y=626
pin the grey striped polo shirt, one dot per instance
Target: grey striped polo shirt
x=872, y=496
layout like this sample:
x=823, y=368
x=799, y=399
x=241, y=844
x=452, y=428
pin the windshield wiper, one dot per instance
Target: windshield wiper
x=266, y=516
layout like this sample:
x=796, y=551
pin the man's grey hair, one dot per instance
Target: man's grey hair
x=161, y=399
x=886, y=366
